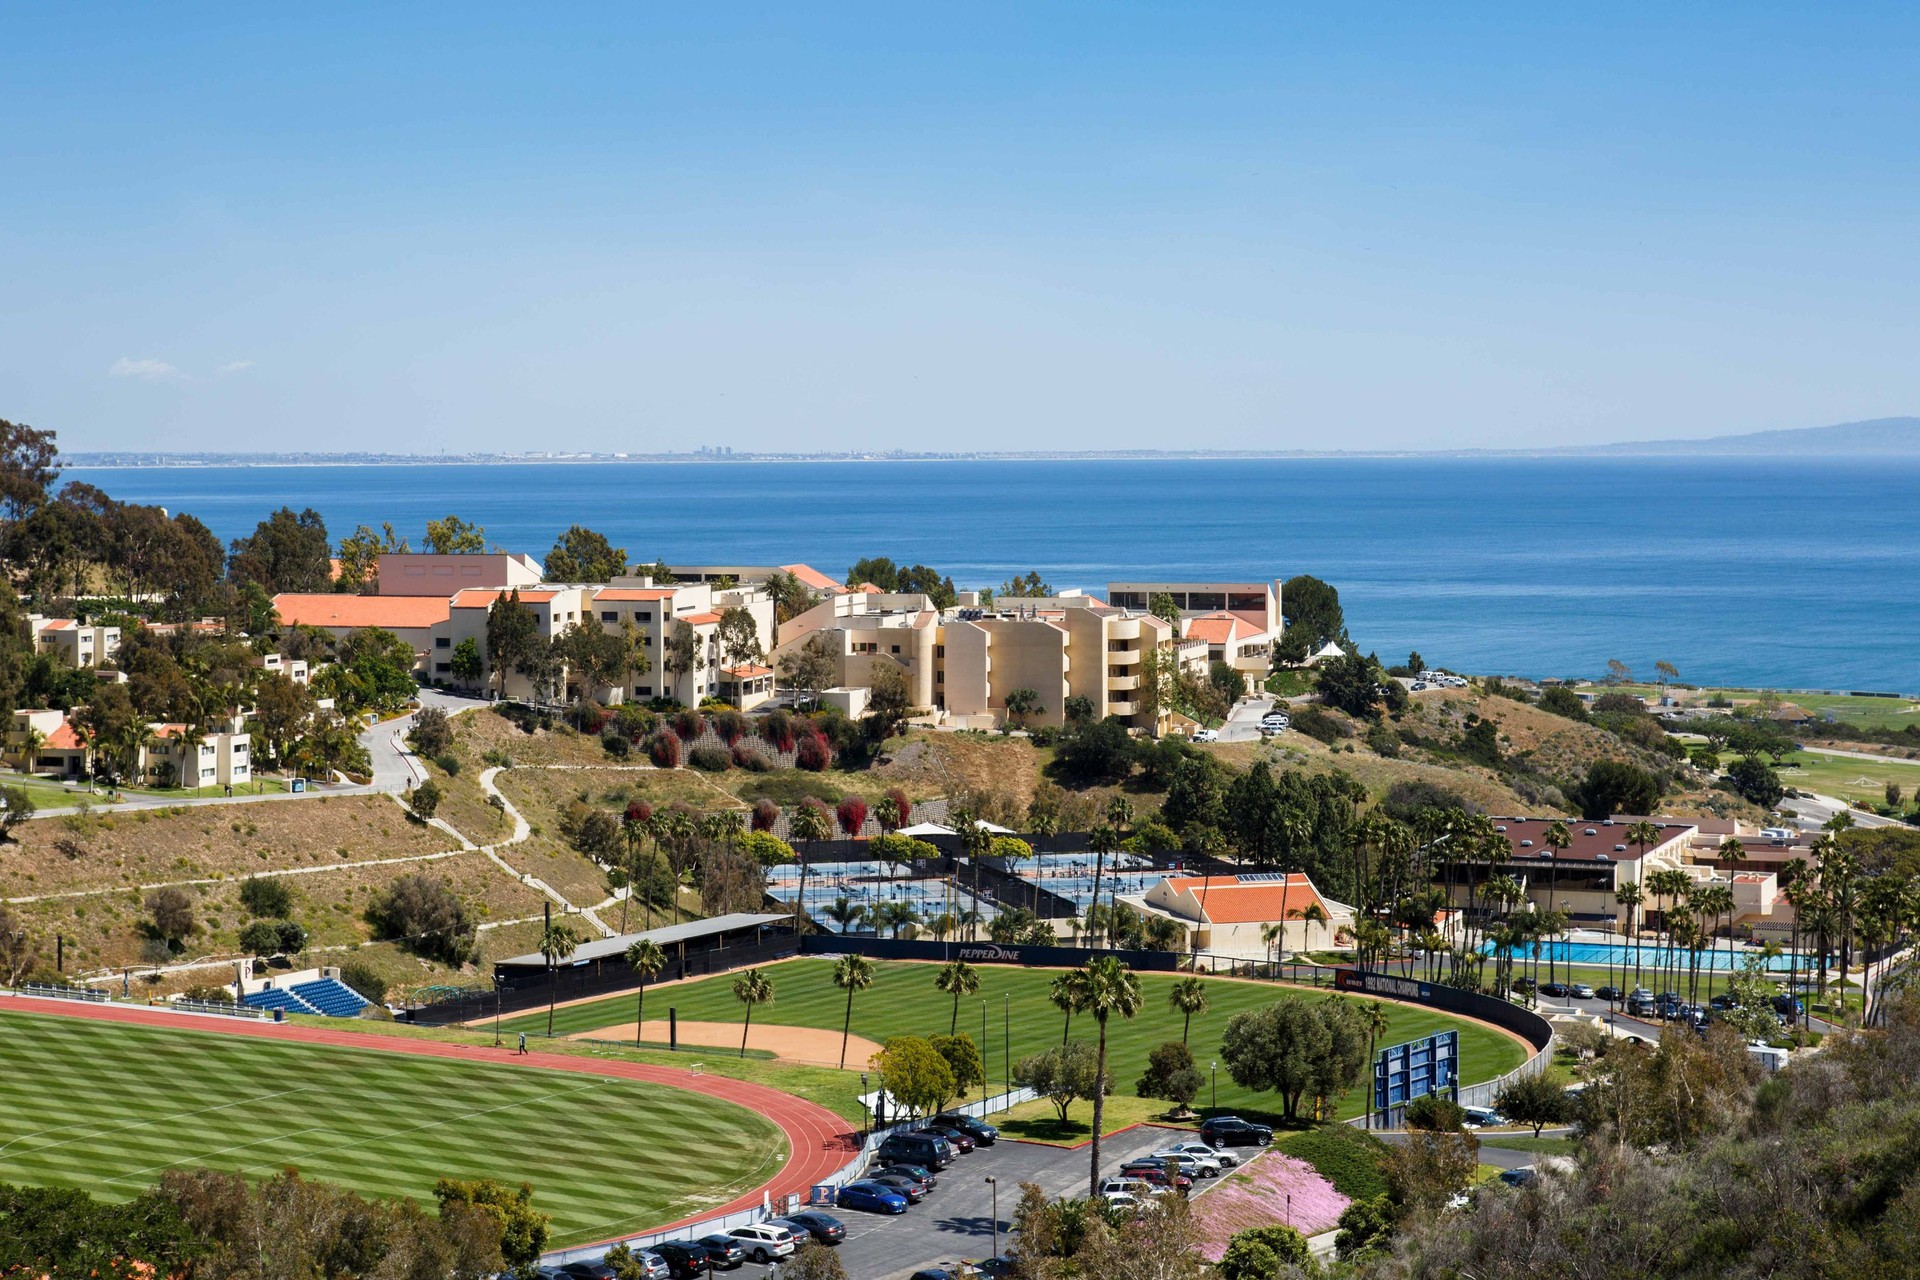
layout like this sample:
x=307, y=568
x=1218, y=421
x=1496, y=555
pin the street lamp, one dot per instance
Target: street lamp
x=1216, y=1088
x=867, y=1127
x=995, y=1184
x=499, y=988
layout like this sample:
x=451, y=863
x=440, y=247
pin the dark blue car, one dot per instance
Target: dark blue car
x=873, y=1197
x=823, y=1227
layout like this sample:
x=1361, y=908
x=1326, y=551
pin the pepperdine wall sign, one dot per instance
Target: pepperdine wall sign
x=980, y=952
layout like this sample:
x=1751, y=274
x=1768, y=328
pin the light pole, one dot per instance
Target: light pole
x=867, y=1130
x=499, y=987
x=1216, y=1088
x=1006, y=1041
x=985, y=1075
x=995, y=1184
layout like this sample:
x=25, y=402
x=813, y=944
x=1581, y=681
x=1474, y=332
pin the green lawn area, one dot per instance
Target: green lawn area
x=904, y=1001
x=1849, y=777
x=107, y=1108
x=1884, y=713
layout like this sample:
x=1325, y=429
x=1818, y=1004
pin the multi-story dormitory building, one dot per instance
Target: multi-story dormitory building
x=960, y=663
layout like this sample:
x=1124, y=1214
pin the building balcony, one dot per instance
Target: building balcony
x=1121, y=708
x=1124, y=629
x=1123, y=657
x=1122, y=684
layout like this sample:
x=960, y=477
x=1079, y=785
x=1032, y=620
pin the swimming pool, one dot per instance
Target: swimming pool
x=1615, y=955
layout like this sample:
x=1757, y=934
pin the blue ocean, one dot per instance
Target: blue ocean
x=1785, y=572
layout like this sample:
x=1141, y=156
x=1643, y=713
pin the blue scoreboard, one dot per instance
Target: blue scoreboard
x=1403, y=1072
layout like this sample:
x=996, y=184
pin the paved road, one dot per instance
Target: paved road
x=1820, y=808
x=1243, y=722
x=956, y=1219
x=395, y=767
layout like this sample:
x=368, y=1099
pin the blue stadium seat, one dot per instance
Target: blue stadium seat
x=278, y=998
x=331, y=997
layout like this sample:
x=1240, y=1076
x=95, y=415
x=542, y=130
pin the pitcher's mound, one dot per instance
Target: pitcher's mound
x=815, y=1046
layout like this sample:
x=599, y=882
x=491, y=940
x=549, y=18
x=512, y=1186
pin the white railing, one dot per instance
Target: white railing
x=852, y=1171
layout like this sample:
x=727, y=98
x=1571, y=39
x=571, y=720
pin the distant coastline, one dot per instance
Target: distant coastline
x=1881, y=437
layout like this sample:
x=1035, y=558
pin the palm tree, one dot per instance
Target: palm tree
x=1188, y=997
x=31, y=740
x=1630, y=896
x=846, y=913
x=1313, y=913
x=957, y=978
x=1793, y=878
x=1271, y=936
x=810, y=823
x=1060, y=994
x=645, y=958
x=751, y=988
x=1373, y=1015
x=1102, y=987
x=942, y=925
x=851, y=973
x=1103, y=840
x=557, y=943
x=1558, y=840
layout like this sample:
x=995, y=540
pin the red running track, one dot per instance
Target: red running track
x=819, y=1141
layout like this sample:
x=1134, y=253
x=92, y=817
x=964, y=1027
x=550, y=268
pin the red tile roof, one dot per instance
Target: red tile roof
x=700, y=619
x=1230, y=900
x=483, y=597
x=812, y=577
x=57, y=624
x=747, y=671
x=1214, y=628
x=617, y=594
x=63, y=738
x=333, y=610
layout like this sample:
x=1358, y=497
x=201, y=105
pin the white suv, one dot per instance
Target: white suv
x=1135, y=1187
x=1222, y=1157
x=1200, y=1166
x=764, y=1242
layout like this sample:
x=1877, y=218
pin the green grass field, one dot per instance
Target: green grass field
x=106, y=1108
x=1850, y=777
x=1881, y=713
x=904, y=1001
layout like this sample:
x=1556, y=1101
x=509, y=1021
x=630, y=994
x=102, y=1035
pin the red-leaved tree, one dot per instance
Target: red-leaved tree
x=852, y=814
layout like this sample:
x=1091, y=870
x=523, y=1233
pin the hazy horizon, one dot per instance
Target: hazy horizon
x=859, y=228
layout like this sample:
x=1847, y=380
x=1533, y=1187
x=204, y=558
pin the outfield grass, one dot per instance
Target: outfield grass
x=904, y=1001
x=107, y=1108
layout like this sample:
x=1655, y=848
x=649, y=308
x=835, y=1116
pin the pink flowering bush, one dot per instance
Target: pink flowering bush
x=1255, y=1195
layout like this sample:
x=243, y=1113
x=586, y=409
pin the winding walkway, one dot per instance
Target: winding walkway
x=819, y=1142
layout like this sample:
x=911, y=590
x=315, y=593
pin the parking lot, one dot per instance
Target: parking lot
x=955, y=1221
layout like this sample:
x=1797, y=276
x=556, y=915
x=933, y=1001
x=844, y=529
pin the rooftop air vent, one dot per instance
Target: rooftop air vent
x=1526, y=844
x=1619, y=848
x=1590, y=831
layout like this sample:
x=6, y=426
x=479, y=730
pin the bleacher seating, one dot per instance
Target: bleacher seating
x=278, y=998
x=331, y=997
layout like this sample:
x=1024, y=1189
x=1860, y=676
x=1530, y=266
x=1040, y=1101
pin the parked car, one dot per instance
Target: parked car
x=871, y=1196
x=995, y=1268
x=982, y=1133
x=1581, y=991
x=1156, y=1175
x=928, y=1150
x=1206, y=735
x=1787, y=1006
x=656, y=1266
x=1121, y=1199
x=685, y=1259
x=1517, y=1177
x=1609, y=993
x=1226, y=1159
x=1418, y=686
x=1232, y=1131
x=823, y=1227
x=1556, y=989
x=1641, y=1007
x=915, y=1191
x=764, y=1241
x=1204, y=1166
x=587, y=1271
x=934, y=1273
x=1722, y=1001
x=723, y=1251
x=960, y=1141
x=1481, y=1117
x=918, y=1172
x=1139, y=1188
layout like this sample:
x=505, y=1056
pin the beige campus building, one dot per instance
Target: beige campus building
x=963, y=664
x=1240, y=622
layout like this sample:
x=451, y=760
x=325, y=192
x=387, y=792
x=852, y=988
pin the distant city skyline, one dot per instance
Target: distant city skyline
x=859, y=228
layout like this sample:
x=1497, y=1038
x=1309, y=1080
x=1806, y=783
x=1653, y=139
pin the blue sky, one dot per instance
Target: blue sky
x=640, y=227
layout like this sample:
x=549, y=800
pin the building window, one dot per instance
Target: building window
x=443, y=667
x=609, y=615
x=643, y=690
x=894, y=649
x=645, y=615
x=939, y=677
x=939, y=651
x=443, y=642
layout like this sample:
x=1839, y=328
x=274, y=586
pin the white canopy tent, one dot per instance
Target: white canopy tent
x=926, y=829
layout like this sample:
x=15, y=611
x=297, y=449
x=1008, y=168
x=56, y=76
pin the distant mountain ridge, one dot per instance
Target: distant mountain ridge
x=1874, y=436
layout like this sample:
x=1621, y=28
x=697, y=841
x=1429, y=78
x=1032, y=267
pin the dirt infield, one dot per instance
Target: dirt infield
x=819, y=1141
x=815, y=1046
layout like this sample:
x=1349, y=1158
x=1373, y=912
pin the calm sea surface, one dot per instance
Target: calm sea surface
x=1748, y=571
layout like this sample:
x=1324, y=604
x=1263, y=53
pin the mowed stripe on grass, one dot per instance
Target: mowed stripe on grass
x=904, y=1001
x=107, y=1108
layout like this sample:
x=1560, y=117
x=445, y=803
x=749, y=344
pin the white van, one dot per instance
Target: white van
x=764, y=1241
